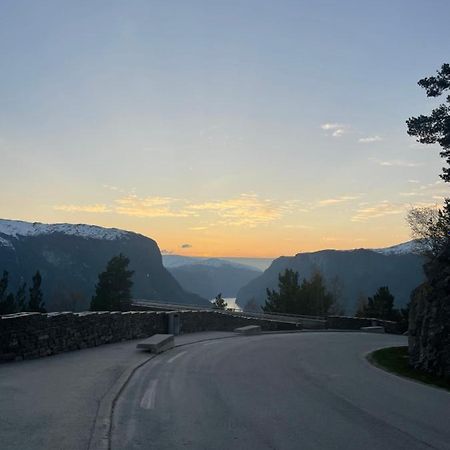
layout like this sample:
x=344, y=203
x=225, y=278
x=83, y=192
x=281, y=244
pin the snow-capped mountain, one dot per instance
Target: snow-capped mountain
x=70, y=257
x=18, y=228
x=399, y=249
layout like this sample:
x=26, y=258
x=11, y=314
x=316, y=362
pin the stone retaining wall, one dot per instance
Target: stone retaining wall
x=33, y=335
x=356, y=323
x=194, y=321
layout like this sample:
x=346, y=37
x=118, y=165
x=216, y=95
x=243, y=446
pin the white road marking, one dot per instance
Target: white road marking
x=176, y=356
x=148, y=400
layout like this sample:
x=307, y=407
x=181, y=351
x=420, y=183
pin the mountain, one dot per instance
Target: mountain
x=260, y=264
x=359, y=272
x=70, y=257
x=400, y=249
x=209, y=277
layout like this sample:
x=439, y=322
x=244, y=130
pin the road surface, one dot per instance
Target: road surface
x=282, y=391
x=54, y=403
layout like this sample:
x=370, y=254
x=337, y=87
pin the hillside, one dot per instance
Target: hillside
x=70, y=258
x=358, y=271
x=209, y=277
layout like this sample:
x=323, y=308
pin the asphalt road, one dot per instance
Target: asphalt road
x=281, y=391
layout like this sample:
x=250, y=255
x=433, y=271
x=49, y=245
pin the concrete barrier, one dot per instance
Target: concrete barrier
x=157, y=343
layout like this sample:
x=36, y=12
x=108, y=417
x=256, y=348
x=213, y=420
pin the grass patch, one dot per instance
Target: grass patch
x=395, y=360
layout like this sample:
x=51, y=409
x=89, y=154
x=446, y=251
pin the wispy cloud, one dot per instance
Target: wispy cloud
x=381, y=209
x=133, y=205
x=338, y=200
x=246, y=209
x=370, y=139
x=97, y=208
x=396, y=163
x=185, y=246
x=336, y=129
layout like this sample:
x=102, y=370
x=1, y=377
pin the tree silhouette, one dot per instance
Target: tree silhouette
x=310, y=298
x=219, y=302
x=35, y=303
x=113, y=290
x=435, y=128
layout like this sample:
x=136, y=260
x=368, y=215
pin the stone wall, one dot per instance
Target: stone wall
x=356, y=323
x=194, y=321
x=32, y=335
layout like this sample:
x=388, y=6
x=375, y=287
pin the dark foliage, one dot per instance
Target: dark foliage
x=219, y=302
x=311, y=297
x=113, y=290
x=36, y=304
x=380, y=306
x=11, y=304
x=435, y=128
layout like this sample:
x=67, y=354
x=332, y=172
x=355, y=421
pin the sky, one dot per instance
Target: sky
x=221, y=128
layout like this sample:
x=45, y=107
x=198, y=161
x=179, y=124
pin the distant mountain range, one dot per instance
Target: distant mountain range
x=70, y=257
x=359, y=272
x=260, y=264
x=210, y=277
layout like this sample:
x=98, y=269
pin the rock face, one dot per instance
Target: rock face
x=70, y=257
x=429, y=320
x=358, y=272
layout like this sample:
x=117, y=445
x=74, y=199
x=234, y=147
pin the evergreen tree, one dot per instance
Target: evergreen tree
x=21, y=298
x=36, y=304
x=113, y=290
x=435, y=128
x=380, y=306
x=219, y=302
x=7, y=301
x=310, y=298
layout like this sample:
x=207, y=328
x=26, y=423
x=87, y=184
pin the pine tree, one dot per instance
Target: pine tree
x=7, y=301
x=219, y=302
x=380, y=306
x=21, y=298
x=36, y=304
x=113, y=290
x=310, y=298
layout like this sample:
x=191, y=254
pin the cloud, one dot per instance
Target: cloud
x=246, y=209
x=381, y=209
x=243, y=210
x=132, y=205
x=96, y=208
x=164, y=251
x=185, y=246
x=370, y=139
x=397, y=163
x=336, y=129
x=337, y=200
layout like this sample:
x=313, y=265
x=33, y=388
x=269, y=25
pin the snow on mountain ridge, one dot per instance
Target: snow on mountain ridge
x=17, y=228
x=399, y=249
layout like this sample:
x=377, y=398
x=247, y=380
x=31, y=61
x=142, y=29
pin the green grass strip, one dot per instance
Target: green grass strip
x=395, y=360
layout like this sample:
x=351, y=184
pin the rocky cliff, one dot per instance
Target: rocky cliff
x=429, y=320
x=70, y=257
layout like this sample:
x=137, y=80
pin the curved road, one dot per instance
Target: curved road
x=279, y=391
